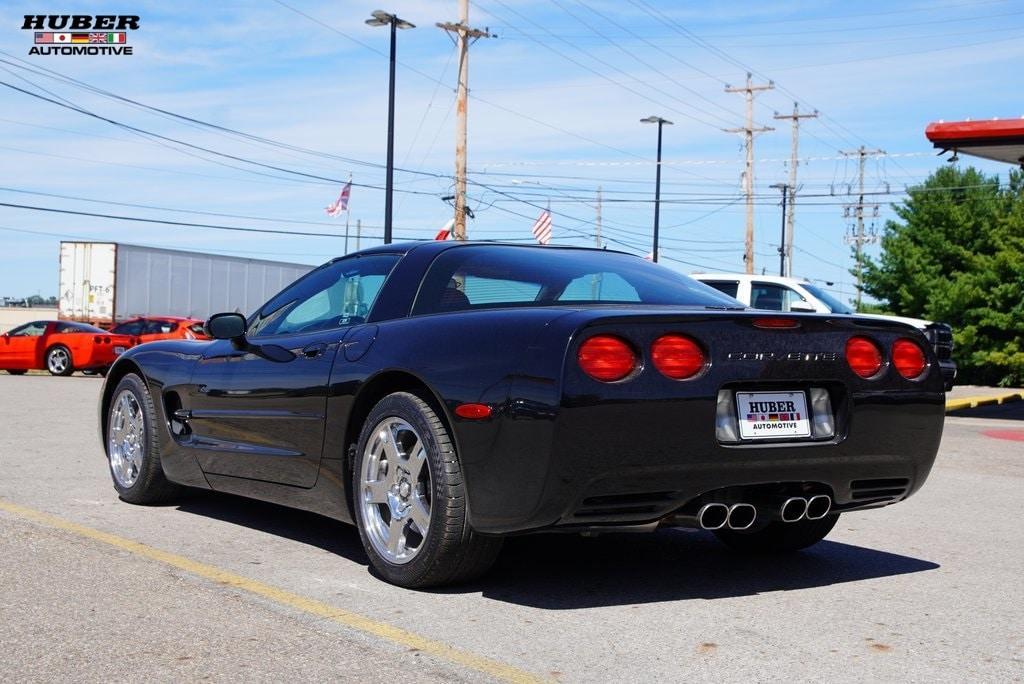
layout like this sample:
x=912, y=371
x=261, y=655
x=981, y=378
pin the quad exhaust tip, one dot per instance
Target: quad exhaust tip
x=713, y=516
x=741, y=516
x=818, y=506
x=793, y=509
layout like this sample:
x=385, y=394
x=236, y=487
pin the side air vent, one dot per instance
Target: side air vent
x=892, y=488
x=625, y=505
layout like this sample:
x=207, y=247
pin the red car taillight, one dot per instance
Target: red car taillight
x=97, y=339
x=864, y=356
x=677, y=357
x=908, y=359
x=606, y=358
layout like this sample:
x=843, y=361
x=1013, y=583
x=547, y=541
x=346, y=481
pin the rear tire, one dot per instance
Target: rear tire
x=133, y=449
x=407, y=476
x=59, y=361
x=779, y=537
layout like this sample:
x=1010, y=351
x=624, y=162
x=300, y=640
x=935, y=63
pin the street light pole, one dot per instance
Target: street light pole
x=782, y=240
x=657, y=182
x=381, y=18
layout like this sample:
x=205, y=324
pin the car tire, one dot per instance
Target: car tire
x=133, y=447
x=406, y=474
x=779, y=537
x=59, y=361
x=16, y=372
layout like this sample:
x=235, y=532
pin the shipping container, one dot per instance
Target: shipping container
x=106, y=282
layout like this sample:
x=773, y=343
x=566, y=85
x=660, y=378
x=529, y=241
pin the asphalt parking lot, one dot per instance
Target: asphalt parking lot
x=216, y=587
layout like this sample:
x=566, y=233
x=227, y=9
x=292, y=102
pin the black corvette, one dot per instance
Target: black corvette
x=442, y=396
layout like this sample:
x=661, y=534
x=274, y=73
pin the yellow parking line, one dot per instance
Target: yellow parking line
x=982, y=400
x=490, y=667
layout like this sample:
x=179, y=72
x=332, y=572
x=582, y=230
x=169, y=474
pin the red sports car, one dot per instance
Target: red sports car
x=61, y=347
x=151, y=328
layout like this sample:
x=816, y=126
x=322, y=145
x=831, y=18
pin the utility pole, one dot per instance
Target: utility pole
x=595, y=280
x=783, y=243
x=464, y=37
x=359, y=232
x=795, y=117
x=858, y=237
x=748, y=175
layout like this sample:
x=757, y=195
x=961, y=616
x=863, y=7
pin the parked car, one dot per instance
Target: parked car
x=776, y=293
x=61, y=347
x=442, y=396
x=152, y=328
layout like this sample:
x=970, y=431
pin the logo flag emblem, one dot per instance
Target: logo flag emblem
x=339, y=205
x=542, y=227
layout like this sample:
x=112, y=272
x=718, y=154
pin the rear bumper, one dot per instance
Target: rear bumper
x=610, y=463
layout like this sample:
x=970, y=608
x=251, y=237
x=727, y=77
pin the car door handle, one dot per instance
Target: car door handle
x=314, y=351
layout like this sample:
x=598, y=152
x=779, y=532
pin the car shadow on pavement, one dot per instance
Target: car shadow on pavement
x=280, y=521
x=561, y=571
x=567, y=571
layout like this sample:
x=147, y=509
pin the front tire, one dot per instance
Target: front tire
x=58, y=360
x=409, y=497
x=779, y=537
x=133, y=449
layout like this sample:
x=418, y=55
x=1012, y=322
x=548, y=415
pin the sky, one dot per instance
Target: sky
x=554, y=115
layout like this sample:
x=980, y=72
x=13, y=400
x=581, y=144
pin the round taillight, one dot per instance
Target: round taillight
x=864, y=356
x=908, y=359
x=606, y=358
x=677, y=357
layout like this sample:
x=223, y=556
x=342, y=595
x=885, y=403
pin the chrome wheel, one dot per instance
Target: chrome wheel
x=58, y=360
x=395, y=496
x=126, y=439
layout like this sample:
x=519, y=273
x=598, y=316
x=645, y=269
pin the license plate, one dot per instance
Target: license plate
x=119, y=350
x=772, y=415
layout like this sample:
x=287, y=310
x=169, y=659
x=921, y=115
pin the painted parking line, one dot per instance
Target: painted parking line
x=984, y=400
x=397, y=635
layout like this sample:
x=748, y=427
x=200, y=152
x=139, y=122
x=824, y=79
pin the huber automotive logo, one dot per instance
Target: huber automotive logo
x=80, y=34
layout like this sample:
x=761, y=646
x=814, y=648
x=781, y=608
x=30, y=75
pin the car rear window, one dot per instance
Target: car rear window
x=491, y=276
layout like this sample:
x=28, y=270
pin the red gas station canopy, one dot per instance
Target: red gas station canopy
x=997, y=139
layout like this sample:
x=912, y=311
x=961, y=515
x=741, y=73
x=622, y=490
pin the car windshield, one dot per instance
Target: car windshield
x=831, y=302
x=480, y=276
x=72, y=327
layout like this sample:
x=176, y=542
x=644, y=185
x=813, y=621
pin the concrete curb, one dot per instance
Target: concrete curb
x=975, y=402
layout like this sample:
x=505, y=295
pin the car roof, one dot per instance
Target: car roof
x=752, y=276
x=438, y=246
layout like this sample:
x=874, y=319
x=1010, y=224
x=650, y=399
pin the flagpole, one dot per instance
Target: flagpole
x=348, y=215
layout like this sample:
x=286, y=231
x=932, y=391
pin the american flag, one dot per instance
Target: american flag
x=542, y=227
x=445, y=232
x=341, y=204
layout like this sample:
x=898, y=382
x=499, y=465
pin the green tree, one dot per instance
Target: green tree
x=956, y=255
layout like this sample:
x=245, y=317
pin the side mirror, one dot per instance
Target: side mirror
x=805, y=307
x=226, y=326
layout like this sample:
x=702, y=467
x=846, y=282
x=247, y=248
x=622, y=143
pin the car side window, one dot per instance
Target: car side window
x=66, y=328
x=728, y=287
x=772, y=297
x=35, y=329
x=333, y=296
x=129, y=328
x=158, y=328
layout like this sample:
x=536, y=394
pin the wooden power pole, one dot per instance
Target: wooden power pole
x=858, y=236
x=464, y=36
x=794, y=144
x=748, y=175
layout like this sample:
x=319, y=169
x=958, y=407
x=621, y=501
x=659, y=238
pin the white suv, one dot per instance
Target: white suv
x=776, y=293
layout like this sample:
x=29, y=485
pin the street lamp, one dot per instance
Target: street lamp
x=657, y=181
x=381, y=18
x=782, y=240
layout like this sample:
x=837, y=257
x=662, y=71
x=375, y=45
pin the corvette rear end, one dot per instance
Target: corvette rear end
x=720, y=420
